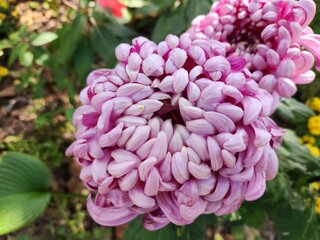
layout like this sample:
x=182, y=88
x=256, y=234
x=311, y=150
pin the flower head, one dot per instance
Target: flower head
x=314, y=104
x=308, y=139
x=174, y=131
x=317, y=205
x=3, y=70
x=314, y=125
x=273, y=36
x=314, y=150
x=4, y=4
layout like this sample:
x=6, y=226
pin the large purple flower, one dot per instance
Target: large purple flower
x=174, y=131
x=273, y=35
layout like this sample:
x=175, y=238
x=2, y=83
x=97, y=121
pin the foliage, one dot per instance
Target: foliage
x=23, y=190
x=196, y=230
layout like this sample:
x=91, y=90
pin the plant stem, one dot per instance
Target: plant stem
x=114, y=233
x=68, y=195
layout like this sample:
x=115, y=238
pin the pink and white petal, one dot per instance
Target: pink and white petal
x=116, y=216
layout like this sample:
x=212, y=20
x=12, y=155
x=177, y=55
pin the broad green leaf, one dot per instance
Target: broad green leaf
x=300, y=109
x=297, y=225
x=69, y=38
x=294, y=112
x=197, y=230
x=136, y=231
x=173, y=22
x=69, y=113
x=292, y=152
x=119, y=30
x=43, y=38
x=284, y=112
x=195, y=8
x=163, y=4
x=104, y=42
x=83, y=60
x=148, y=10
x=285, y=187
x=59, y=77
x=24, y=194
x=26, y=59
x=253, y=213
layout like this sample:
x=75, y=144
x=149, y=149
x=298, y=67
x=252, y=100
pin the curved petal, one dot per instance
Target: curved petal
x=109, y=216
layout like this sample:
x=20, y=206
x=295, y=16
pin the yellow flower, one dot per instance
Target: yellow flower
x=315, y=186
x=314, y=103
x=15, y=13
x=4, y=4
x=318, y=205
x=2, y=16
x=4, y=71
x=308, y=139
x=313, y=149
x=314, y=125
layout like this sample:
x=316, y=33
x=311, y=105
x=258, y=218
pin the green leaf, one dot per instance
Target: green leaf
x=136, y=231
x=104, y=43
x=83, y=60
x=253, y=213
x=43, y=38
x=300, y=109
x=177, y=20
x=41, y=56
x=24, y=183
x=5, y=44
x=70, y=90
x=197, y=230
x=284, y=112
x=16, y=52
x=173, y=22
x=293, y=111
x=119, y=30
x=69, y=38
x=297, y=225
x=26, y=59
x=285, y=187
x=163, y=4
x=292, y=153
x=195, y=8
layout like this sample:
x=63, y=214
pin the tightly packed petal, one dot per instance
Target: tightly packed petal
x=174, y=131
x=273, y=36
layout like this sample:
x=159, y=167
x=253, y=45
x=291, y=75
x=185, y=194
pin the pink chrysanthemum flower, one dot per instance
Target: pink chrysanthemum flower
x=174, y=131
x=273, y=35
